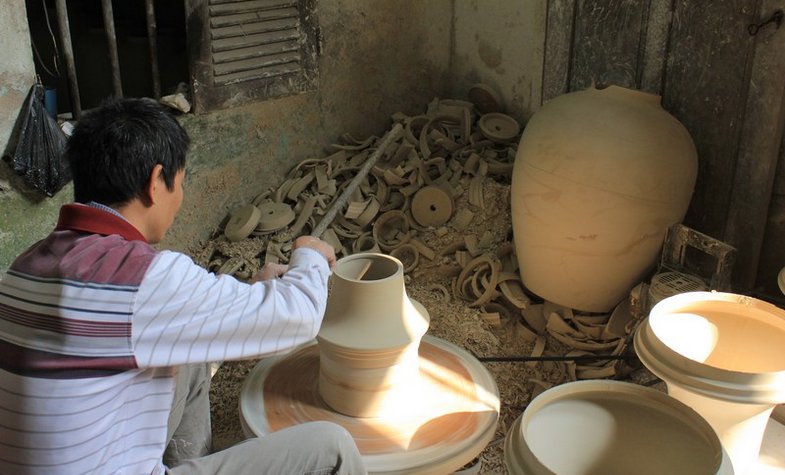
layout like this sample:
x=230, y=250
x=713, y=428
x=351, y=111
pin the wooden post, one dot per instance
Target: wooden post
x=152, y=34
x=111, y=43
x=68, y=53
x=341, y=201
x=758, y=151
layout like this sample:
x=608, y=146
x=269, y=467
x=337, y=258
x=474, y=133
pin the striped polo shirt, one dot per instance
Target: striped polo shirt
x=94, y=321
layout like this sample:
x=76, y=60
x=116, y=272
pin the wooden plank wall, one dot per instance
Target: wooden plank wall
x=758, y=157
x=771, y=260
x=705, y=87
x=723, y=84
x=608, y=43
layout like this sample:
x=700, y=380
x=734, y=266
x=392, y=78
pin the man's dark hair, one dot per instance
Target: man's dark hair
x=115, y=147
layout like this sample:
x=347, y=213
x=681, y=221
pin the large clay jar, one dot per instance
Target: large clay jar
x=599, y=176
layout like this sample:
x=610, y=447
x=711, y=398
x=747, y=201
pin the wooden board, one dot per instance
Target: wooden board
x=704, y=88
x=756, y=164
x=609, y=45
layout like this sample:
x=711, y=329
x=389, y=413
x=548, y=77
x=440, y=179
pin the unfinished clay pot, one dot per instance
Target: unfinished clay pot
x=601, y=427
x=369, y=338
x=723, y=355
x=598, y=177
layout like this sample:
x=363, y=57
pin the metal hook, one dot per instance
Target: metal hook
x=775, y=17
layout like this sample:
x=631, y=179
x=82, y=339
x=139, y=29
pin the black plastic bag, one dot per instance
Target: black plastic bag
x=39, y=149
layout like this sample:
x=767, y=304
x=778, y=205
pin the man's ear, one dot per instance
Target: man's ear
x=154, y=184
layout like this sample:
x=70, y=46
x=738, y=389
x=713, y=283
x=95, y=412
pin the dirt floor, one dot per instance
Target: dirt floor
x=494, y=329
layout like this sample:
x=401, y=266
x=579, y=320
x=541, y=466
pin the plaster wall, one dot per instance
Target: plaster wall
x=501, y=43
x=25, y=216
x=378, y=57
x=18, y=73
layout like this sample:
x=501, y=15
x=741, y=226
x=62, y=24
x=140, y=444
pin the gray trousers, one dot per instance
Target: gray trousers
x=314, y=448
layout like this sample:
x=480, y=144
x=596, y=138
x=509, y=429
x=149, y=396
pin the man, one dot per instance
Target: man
x=105, y=341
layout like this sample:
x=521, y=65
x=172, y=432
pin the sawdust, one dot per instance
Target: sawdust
x=451, y=320
x=454, y=318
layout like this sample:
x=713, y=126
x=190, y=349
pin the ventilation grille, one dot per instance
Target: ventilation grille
x=254, y=39
x=667, y=284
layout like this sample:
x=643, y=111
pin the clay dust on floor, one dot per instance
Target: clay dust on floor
x=485, y=330
x=451, y=320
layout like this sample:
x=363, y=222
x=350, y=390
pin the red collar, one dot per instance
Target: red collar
x=79, y=217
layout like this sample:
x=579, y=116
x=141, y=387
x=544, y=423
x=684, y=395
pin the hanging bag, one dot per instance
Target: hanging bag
x=38, y=155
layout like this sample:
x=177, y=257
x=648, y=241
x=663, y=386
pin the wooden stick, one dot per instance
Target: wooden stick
x=365, y=268
x=111, y=41
x=577, y=359
x=152, y=34
x=329, y=216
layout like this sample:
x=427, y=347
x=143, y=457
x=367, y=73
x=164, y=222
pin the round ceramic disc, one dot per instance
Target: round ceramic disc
x=781, y=280
x=242, y=222
x=274, y=216
x=485, y=98
x=431, y=206
x=499, y=127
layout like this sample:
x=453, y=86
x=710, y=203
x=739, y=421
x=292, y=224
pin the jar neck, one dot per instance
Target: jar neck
x=654, y=99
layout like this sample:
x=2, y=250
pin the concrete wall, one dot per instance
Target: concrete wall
x=24, y=215
x=378, y=57
x=18, y=73
x=501, y=43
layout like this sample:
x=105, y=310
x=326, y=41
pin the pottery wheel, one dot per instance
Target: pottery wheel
x=274, y=216
x=242, y=222
x=431, y=206
x=454, y=423
x=498, y=127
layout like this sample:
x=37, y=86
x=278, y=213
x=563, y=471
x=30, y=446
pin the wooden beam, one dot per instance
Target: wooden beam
x=704, y=84
x=761, y=135
x=560, y=17
x=152, y=40
x=608, y=40
x=111, y=43
x=68, y=54
x=654, y=52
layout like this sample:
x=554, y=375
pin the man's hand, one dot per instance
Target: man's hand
x=269, y=271
x=319, y=246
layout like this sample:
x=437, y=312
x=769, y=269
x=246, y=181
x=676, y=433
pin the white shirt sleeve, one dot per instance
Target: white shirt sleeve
x=184, y=314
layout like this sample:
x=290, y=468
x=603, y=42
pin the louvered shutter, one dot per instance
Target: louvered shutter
x=246, y=50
